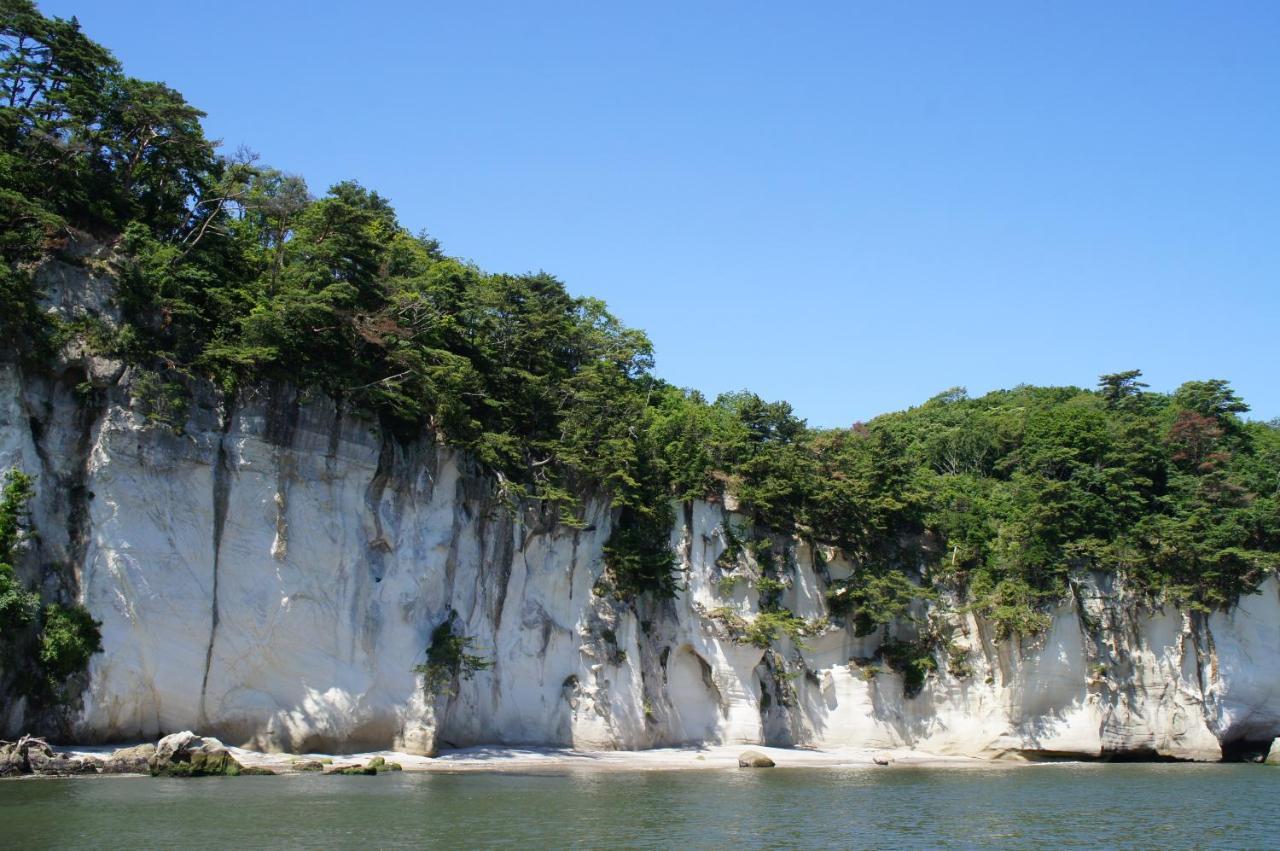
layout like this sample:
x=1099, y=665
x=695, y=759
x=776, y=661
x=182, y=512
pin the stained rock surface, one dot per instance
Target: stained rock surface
x=272, y=572
x=754, y=759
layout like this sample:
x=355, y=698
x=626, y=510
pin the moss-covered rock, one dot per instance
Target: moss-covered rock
x=376, y=765
x=256, y=771
x=352, y=770
x=187, y=755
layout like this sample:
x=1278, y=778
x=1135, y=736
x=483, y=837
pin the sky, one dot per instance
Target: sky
x=848, y=205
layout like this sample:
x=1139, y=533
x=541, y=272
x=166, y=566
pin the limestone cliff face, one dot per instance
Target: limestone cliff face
x=272, y=574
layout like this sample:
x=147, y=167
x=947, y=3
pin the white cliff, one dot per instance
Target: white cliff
x=273, y=574
x=272, y=571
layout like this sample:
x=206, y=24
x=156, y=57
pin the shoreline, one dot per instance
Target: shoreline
x=535, y=759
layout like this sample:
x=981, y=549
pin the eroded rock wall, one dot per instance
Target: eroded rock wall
x=272, y=571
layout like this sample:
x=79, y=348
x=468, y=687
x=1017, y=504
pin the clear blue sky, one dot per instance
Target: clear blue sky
x=849, y=205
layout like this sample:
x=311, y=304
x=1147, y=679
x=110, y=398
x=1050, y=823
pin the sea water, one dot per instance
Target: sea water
x=1153, y=805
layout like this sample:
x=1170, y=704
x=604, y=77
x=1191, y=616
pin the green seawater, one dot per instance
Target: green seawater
x=1041, y=806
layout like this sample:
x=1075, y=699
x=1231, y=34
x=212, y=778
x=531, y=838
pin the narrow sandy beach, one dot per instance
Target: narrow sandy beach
x=539, y=759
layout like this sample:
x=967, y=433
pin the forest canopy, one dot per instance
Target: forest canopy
x=234, y=272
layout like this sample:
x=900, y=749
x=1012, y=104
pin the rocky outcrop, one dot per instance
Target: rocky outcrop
x=32, y=755
x=754, y=759
x=272, y=569
x=187, y=755
x=372, y=768
x=177, y=755
x=134, y=760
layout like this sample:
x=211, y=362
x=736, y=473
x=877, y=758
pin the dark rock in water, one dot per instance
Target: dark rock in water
x=355, y=769
x=134, y=760
x=754, y=759
x=882, y=758
x=187, y=755
x=256, y=771
x=13, y=761
x=179, y=755
x=61, y=764
x=32, y=755
x=377, y=765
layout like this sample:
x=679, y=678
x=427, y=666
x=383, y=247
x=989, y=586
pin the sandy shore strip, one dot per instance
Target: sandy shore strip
x=542, y=759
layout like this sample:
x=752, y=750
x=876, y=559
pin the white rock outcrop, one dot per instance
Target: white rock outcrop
x=272, y=574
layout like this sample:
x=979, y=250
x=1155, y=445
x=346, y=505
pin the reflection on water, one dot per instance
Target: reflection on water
x=1132, y=805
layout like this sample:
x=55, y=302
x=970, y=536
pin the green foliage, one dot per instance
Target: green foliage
x=449, y=658
x=725, y=585
x=767, y=586
x=871, y=599
x=1014, y=606
x=68, y=638
x=161, y=400
x=19, y=488
x=1212, y=398
x=41, y=647
x=767, y=627
x=734, y=545
x=19, y=608
x=1118, y=388
x=915, y=660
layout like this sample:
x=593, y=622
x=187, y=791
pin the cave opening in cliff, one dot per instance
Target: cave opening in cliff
x=1245, y=750
x=1138, y=755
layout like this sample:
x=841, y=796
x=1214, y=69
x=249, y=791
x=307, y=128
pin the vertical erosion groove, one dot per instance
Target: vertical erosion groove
x=78, y=527
x=377, y=544
x=221, y=492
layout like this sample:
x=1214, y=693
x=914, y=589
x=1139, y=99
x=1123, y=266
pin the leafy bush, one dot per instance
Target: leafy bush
x=725, y=585
x=68, y=638
x=915, y=660
x=448, y=659
x=872, y=599
x=161, y=400
x=41, y=647
x=766, y=627
x=768, y=587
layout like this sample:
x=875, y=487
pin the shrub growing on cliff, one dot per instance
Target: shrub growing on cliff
x=41, y=646
x=449, y=658
x=19, y=608
x=871, y=599
x=68, y=637
x=915, y=660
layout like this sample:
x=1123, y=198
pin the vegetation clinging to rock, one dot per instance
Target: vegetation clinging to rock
x=449, y=658
x=42, y=645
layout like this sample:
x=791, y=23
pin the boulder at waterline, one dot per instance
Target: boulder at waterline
x=754, y=759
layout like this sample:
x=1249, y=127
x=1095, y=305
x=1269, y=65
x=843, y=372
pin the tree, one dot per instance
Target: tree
x=1117, y=387
x=1212, y=398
